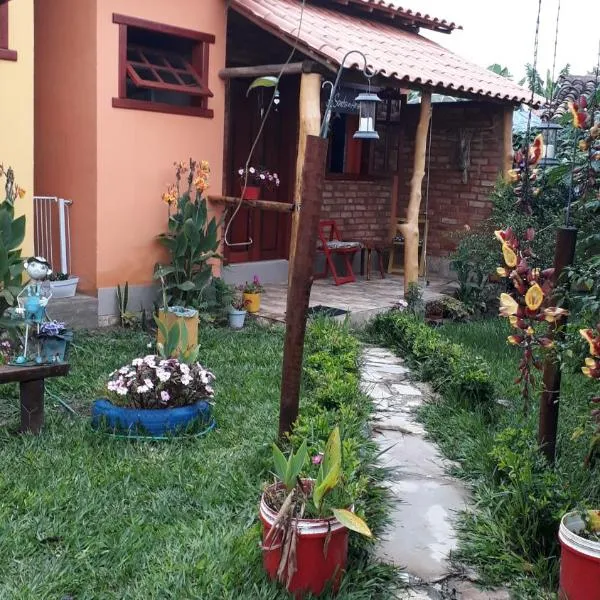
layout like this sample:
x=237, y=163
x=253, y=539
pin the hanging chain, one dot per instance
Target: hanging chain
x=554, y=59
x=533, y=81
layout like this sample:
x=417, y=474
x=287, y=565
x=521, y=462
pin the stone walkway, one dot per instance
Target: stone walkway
x=422, y=535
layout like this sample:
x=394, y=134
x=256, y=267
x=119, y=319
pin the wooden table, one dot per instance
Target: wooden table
x=31, y=384
x=368, y=247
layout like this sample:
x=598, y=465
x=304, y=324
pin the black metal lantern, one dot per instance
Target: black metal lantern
x=549, y=132
x=367, y=103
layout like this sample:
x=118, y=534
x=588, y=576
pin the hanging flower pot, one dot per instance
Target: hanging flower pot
x=321, y=549
x=580, y=560
x=251, y=192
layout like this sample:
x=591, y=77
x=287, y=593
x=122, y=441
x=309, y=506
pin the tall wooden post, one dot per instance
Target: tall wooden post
x=410, y=229
x=313, y=174
x=566, y=239
x=310, y=124
x=507, y=147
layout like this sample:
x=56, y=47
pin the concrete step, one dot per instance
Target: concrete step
x=268, y=271
x=78, y=312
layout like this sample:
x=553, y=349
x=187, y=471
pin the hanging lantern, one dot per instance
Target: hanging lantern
x=367, y=103
x=549, y=132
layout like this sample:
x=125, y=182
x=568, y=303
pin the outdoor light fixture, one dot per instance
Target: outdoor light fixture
x=368, y=111
x=549, y=132
x=367, y=103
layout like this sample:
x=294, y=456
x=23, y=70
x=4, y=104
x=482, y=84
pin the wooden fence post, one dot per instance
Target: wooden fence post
x=566, y=238
x=313, y=174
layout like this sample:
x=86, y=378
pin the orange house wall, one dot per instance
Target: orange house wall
x=65, y=120
x=136, y=149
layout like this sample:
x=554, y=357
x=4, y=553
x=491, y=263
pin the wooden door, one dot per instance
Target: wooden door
x=258, y=234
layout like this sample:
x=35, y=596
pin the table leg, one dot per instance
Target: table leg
x=32, y=406
x=368, y=264
x=362, y=262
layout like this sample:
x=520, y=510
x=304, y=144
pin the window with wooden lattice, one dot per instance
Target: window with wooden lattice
x=5, y=52
x=162, y=68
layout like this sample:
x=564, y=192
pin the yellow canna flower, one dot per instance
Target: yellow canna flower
x=508, y=305
x=588, y=336
x=503, y=272
x=534, y=297
x=513, y=176
x=552, y=313
x=530, y=331
x=510, y=258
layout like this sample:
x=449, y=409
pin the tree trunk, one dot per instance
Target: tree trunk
x=310, y=124
x=410, y=229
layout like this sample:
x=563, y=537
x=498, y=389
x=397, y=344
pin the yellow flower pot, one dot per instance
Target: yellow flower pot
x=252, y=302
x=190, y=323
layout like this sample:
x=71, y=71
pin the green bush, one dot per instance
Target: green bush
x=451, y=369
x=332, y=397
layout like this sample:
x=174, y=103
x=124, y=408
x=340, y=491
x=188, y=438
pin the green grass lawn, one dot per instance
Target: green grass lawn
x=85, y=516
x=518, y=501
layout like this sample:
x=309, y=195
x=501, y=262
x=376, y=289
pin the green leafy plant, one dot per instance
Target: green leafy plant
x=288, y=470
x=192, y=239
x=253, y=287
x=127, y=319
x=414, y=299
x=175, y=343
x=12, y=234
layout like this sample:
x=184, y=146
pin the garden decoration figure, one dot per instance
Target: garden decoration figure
x=32, y=301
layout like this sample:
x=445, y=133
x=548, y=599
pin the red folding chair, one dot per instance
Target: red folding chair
x=331, y=244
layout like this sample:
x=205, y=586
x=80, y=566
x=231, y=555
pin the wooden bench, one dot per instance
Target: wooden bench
x=31, y=386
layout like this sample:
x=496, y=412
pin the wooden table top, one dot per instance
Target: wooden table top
x=17, y=373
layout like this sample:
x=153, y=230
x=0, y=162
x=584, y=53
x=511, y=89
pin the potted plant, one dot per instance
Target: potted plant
x=158, y=395
x=192, y=241
x=253, y=179
x=237, y=312
x=305, y=535
x=579, y=531
x=251, y=293
x=63, y=285
x=54, y=339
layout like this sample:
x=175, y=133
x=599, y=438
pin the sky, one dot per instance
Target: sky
x=503, y=31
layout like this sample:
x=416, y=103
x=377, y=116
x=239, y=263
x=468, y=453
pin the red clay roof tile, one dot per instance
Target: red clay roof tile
x=396, y=54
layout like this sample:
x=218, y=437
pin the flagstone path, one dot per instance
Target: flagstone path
x=422, y=535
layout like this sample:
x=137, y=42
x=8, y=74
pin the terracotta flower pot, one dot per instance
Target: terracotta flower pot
x=579, y=561
x=252, y=302
x=315, y=568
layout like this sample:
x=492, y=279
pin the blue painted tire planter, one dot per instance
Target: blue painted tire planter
x=161, y=423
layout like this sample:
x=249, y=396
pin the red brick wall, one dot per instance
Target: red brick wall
x=361, y=209
x=452, y=203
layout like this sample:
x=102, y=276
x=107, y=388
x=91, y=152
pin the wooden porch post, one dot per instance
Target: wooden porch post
x=507, y=147
x=410, y=229
x=310, y=124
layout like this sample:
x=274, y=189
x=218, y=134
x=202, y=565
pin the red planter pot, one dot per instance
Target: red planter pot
x=579, y=561
x=250, y=193
x=314, y=571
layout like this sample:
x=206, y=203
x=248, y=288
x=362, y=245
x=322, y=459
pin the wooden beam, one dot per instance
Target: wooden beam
x=283, y=207
x=296, y=68
x=410, y=229
x=310, y=124
x=507, y=147
x=313, y=174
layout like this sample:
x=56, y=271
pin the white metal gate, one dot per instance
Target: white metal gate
x=52, y=230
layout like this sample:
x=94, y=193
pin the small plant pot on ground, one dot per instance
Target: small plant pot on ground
x=236, y=318
x=321, y=550
x=251, y=302
x=156, y=423
x=580, y=561
x=65, y=288
x=55, y=348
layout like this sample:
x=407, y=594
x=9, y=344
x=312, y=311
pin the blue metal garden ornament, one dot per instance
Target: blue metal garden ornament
x=32, y=301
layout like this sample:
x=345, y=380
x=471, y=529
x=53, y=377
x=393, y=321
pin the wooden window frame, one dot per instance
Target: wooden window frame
x=5, y=52
x=199, y=62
